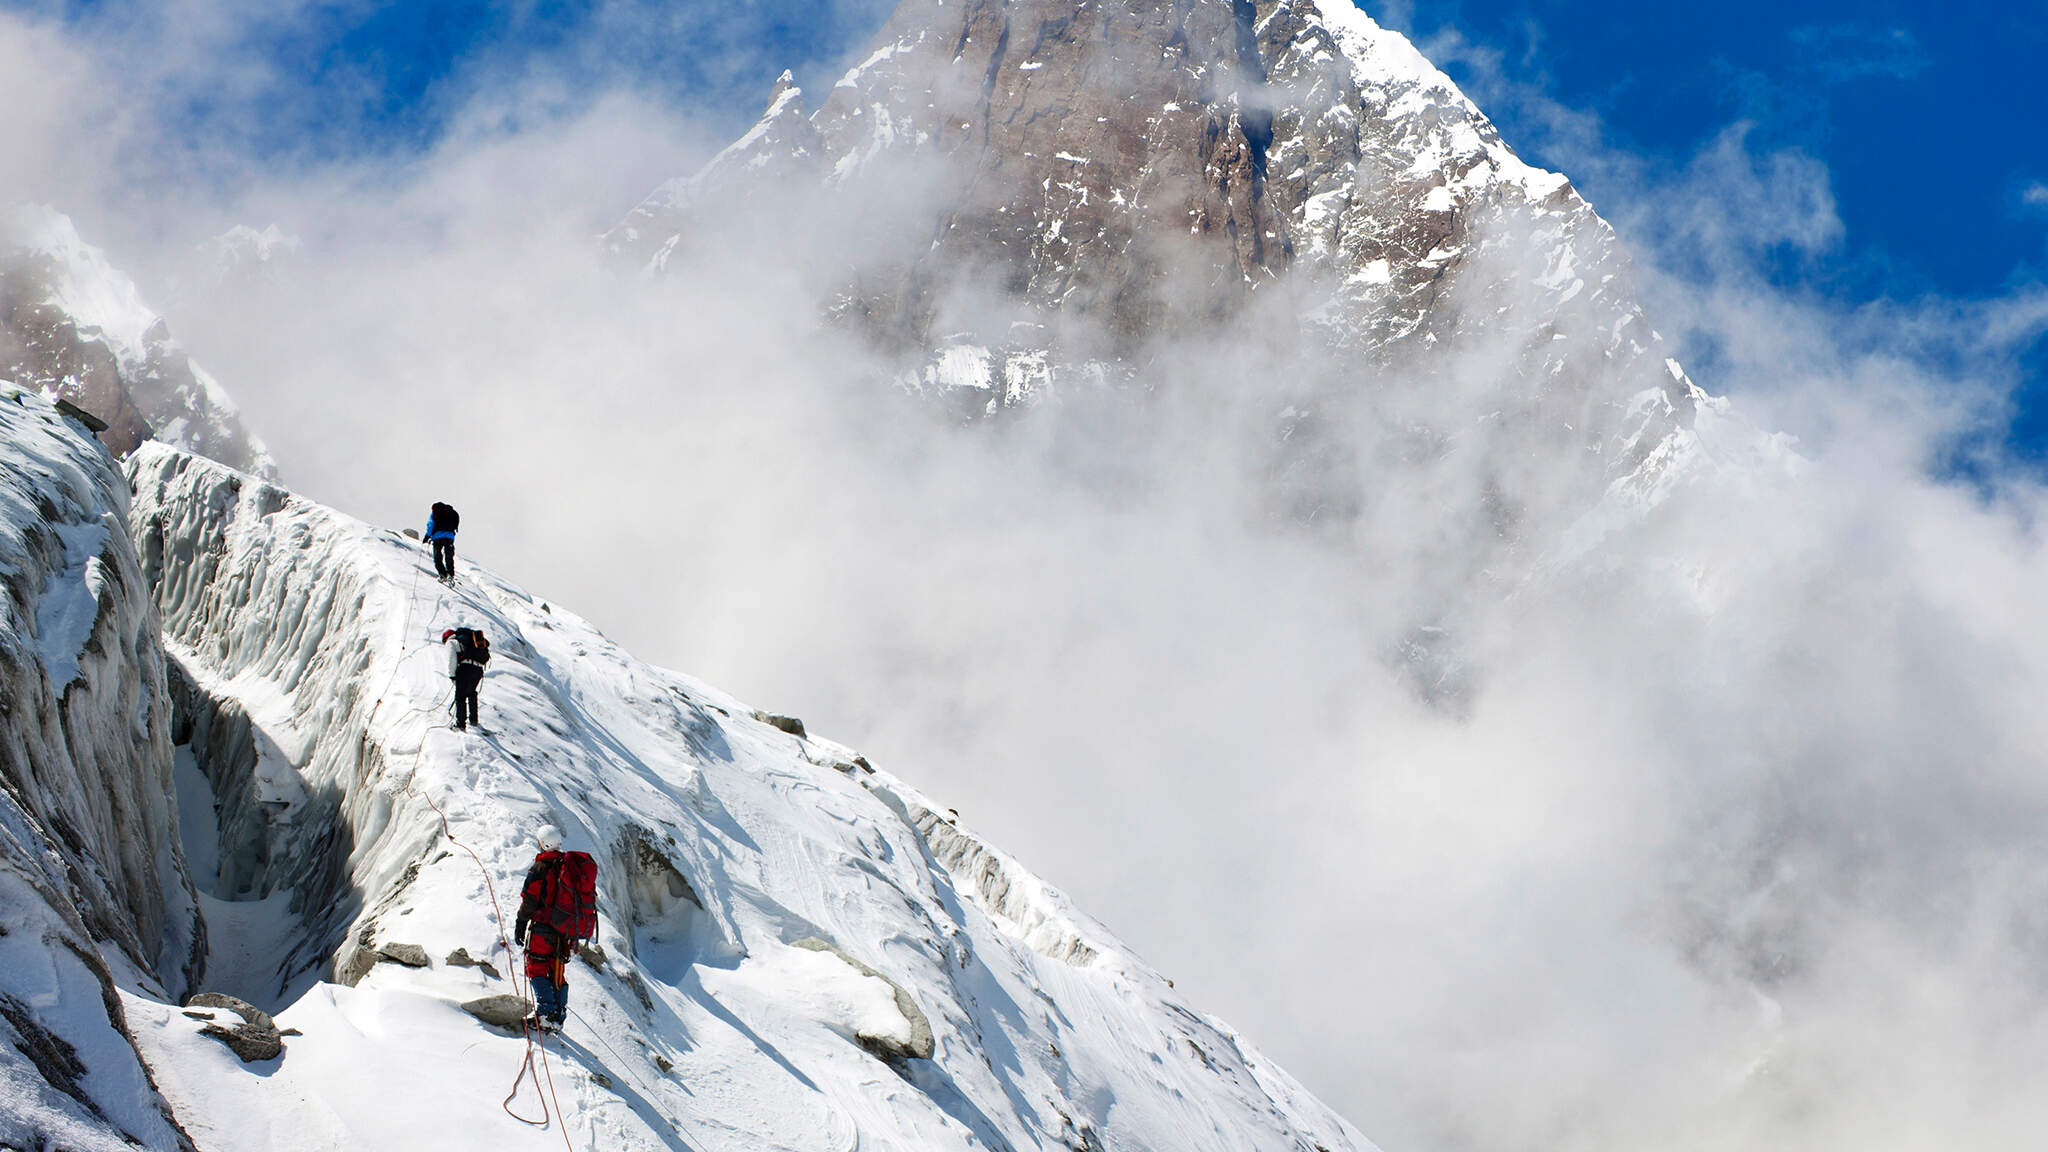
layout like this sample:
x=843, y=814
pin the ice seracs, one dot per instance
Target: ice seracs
x=93, y=894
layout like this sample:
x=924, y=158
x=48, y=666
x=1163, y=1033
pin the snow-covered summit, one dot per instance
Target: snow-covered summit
x=798, y=950
x=73, y=324
x=1280, y=199
x=1147, y=169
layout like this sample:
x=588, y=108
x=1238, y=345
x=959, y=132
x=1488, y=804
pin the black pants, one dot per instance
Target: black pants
x=467, y=677
x=444, y=558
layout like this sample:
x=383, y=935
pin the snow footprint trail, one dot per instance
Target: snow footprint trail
x=535, y=1066
x=723, y=843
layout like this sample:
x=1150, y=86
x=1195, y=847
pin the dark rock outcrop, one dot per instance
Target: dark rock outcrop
x=410, y=955
x=255, y=1038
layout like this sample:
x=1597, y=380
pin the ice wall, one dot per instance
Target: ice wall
x=92, y=890
x=278, y=640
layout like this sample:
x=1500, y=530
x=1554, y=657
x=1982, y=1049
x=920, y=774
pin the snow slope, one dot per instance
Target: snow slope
x=799, y=951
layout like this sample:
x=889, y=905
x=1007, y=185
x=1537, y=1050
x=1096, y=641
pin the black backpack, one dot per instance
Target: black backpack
x=475, y=649
x=446, y=518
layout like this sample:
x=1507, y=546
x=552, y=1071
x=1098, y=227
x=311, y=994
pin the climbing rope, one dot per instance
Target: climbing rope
x=520, y=988
x=536, y=1049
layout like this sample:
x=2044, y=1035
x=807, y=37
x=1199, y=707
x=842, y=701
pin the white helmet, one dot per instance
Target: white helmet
x=550, y=839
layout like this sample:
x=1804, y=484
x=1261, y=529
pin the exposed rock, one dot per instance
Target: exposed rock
x=248, y=1041
x=592, y=954
x=256, y=1038
x=460, y=958
x=920, y=1045
x=1114, y=179
x=93, y=424
x=242, y=1008
x=658, y=886
x=789, y=724
x=350, y=968
x=502, y=1011
x=410, y=955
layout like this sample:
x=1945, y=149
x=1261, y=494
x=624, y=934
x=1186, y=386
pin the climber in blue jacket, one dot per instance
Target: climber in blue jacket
x=442, y=521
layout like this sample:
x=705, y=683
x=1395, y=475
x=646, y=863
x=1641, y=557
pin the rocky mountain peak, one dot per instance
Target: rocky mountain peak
x=1115, y=175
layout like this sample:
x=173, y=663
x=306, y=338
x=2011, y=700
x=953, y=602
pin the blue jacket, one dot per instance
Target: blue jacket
x=444, y=534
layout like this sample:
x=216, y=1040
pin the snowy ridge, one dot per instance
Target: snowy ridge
x=776, y=916
x=781, y=141
x=1435, y=240
x=1388, y=61
x=1016, y=900
x=1717, y=455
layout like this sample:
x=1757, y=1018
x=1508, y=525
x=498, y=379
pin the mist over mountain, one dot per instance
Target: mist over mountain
x=1185, y=441
x=74, y=326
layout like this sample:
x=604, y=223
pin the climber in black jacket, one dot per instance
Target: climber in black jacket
x=466, y=659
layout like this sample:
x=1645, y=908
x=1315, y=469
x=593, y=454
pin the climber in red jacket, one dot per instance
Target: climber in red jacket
x=559, y=904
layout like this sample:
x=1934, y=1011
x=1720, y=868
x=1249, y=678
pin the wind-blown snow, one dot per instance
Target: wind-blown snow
x=85, y=284
x=183, y=403
x=735, y=858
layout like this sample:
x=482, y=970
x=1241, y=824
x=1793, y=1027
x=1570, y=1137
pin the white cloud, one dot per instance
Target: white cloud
x=2035, y=195
x=1737, y=844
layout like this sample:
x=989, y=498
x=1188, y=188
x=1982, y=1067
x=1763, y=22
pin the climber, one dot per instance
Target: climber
x=442, y=521
x=559, y=904
x=466, y=660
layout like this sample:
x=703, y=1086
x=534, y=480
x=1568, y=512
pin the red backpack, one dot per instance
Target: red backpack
x=569, y=897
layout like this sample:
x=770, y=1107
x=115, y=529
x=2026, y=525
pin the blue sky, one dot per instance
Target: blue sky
x=1927, y=118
